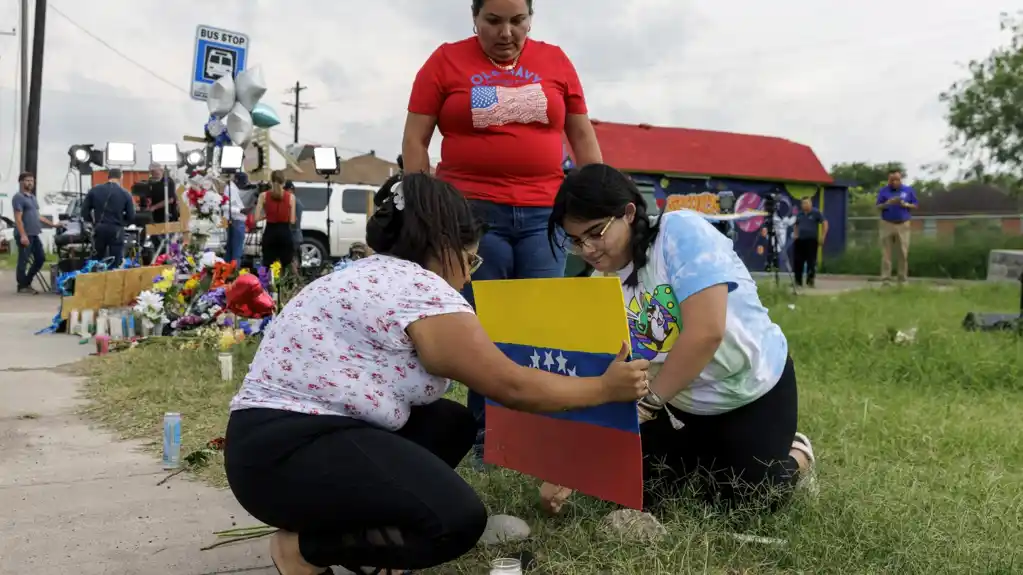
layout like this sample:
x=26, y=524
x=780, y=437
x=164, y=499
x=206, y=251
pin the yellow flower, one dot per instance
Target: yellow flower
x=181, y=298
x=226, y=340
x=163, y=285
x=275, y=269
x=243, y=271
x=192, y=284
x=190, y=260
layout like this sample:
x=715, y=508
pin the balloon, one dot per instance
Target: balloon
x=222, y=97
x=264, y=116
x=250, y=87
x=247, y=298
x=239, y=125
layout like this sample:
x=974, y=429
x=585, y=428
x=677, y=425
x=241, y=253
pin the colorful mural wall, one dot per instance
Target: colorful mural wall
x=751, y=241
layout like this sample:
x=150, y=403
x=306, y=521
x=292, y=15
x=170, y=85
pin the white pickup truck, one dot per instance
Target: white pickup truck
x=348, y=207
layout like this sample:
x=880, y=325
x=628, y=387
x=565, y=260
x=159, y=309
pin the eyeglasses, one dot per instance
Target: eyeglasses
x=577, y=245
x=475, y=261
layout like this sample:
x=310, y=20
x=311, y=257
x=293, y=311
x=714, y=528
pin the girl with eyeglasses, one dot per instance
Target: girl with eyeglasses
x=721, y=414
x=340, y=435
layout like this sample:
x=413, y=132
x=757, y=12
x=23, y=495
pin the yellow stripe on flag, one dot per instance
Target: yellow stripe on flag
x=573, y=314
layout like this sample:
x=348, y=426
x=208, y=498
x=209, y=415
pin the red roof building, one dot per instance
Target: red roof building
x=686, y=152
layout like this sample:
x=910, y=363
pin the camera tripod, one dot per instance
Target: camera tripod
x=772, y=262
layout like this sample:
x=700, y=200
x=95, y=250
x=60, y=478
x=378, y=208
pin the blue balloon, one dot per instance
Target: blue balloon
x=264, y=116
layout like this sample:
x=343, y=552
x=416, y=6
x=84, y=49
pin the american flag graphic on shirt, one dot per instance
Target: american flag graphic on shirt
x=500, y=105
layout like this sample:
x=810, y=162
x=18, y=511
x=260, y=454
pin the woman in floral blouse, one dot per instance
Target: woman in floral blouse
x=340, y=435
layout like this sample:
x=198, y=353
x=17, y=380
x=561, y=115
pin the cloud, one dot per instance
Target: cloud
x=855, y=82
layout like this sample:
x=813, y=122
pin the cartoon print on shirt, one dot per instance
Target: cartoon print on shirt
x=654, y=322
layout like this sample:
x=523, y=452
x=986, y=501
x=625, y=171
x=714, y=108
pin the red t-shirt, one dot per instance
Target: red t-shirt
x=503, y=130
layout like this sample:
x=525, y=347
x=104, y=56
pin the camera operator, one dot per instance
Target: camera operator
x=109, y=208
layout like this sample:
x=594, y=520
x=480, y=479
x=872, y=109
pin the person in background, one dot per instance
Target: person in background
x=236, y=218
x=722, y=410
x=504, y=104
x=811, y=231
x=28, y=224
x=159, y=185
x=109, y=208
x=296, y=231
x=341, y=436
x=896, y=202
x=277, y=207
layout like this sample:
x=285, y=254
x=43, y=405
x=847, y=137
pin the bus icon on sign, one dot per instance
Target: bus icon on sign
x=218, y=63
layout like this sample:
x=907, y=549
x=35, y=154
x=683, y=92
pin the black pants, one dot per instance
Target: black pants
x=108, y=242
x=804, y=253
x=358, y=495
x=735, y=459
x=278, y=244
x=30, y=260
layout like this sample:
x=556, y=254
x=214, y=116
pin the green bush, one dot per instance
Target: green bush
x=965, y=257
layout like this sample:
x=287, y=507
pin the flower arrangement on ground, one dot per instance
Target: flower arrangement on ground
x=205, y=206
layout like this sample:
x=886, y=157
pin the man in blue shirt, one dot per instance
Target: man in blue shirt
x=811, y=231
x=109, y=208
x=895, y=201
x=28, y=226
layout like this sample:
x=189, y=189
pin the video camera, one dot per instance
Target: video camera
x=726, y=205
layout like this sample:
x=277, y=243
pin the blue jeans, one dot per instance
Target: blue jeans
x=514, y=247
x=30, y=261
x=235, y=242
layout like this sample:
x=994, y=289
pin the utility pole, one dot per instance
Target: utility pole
x=298, y=105
x=36, y=89
x=24, y=82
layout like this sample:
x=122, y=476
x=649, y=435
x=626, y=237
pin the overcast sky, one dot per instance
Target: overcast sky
x=857, y=81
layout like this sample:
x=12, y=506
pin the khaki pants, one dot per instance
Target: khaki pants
x=894, y=235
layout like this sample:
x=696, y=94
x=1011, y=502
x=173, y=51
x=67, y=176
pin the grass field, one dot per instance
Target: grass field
x=920, y=448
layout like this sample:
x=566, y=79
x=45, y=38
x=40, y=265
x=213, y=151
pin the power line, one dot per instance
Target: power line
x=124, y=56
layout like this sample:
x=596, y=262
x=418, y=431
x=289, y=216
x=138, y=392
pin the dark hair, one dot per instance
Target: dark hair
x=434, y=220
x=894, y=171
x=25, y=175
x=599, y=191
x=114, y=174
x=477, y=7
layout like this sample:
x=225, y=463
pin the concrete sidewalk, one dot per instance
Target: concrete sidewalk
x=73, y=499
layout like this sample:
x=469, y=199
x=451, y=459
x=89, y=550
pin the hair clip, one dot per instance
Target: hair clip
x=398, y=196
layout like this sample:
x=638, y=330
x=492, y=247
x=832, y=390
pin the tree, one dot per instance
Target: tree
x=867, y=176
x=985, y=111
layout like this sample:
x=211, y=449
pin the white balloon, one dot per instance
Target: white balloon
x=221, y=97
x=239, y=125
x=250, y=87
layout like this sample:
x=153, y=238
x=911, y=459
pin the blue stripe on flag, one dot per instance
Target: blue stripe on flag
x=619, y=416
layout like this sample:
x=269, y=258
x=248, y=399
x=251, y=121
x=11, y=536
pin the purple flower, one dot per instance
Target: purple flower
x=216, y=296
x=264, y=277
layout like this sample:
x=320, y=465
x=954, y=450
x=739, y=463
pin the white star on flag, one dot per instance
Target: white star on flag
x=535, y=358
x=548, y=360
x=562, y=362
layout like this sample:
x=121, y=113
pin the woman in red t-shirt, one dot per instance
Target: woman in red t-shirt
x=277, y=207
x=503, y=104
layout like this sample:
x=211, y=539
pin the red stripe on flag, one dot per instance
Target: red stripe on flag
x=598, y=461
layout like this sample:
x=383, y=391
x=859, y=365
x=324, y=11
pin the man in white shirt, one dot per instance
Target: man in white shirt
x=236, y=218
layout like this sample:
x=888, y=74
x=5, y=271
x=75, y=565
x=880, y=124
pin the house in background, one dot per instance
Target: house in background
x=682, y=167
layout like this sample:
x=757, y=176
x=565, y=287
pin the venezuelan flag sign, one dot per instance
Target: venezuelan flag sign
x=573, y=327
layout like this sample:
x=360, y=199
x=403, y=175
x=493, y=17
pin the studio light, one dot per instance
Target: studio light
x=326, y=161
x=120, y=154
x=83, y=156
x=231, y=159
x=165, y=154
x=195, y=159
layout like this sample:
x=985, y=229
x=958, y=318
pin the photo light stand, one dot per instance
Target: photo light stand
x=327, y=164
x=772, y=263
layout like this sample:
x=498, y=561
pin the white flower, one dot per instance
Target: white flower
x=209, y=259
x=149, y=305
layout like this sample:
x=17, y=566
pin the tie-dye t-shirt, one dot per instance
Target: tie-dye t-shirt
x=688, y=256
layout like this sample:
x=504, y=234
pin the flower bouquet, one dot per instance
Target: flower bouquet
x=205, y=207
x=149, y=305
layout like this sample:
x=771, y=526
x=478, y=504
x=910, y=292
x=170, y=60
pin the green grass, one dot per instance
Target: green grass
x=920, y=448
